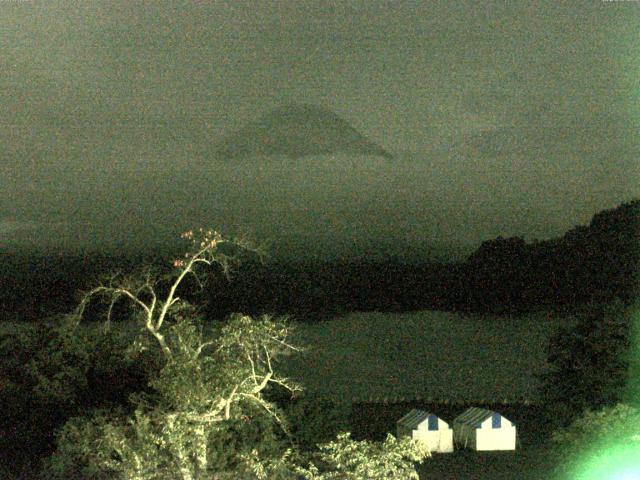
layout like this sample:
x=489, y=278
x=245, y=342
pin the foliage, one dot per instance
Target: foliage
x=51, y=372
x=207, y=413
x=595, y=431
x=202, y=406
x=254, y=435
x=80, y=453
x=588, y=361
x=315, y=421
x=51, y=362
x=209, y=383
x=348, y=459
x=344, y=459
x=616, y=422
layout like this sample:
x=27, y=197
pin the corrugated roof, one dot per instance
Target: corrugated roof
x=474, y=416
x=413, y=418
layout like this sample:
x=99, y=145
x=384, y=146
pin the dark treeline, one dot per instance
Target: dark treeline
x=35, y=285
x=597, y=262
x=594, y=263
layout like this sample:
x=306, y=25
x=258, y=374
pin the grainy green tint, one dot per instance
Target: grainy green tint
x=633, y=382
x=517, y=118
x=614, y=462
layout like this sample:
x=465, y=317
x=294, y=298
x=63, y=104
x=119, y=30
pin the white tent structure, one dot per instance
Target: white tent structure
x=428, y=428
x=481, y=429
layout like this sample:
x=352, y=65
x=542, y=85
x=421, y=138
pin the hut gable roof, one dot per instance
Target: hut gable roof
x=413, y=419
x=474, y=416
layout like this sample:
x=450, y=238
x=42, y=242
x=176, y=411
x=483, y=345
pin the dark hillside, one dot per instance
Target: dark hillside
x=593, y=263
x=597, y=262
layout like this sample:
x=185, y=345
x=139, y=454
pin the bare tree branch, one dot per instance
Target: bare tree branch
x=227, y=408
x=202, y=347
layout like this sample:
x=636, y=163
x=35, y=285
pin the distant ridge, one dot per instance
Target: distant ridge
x=297, y=130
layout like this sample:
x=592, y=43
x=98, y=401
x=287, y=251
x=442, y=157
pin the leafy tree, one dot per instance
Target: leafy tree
x=589, y=362
x=315, y=421
x=620, y=421
x=208, y=380
x=345, y=459
x=207, y=414
x=51, y=372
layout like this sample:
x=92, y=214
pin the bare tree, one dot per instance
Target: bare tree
x=206, y=379
x=142, y=290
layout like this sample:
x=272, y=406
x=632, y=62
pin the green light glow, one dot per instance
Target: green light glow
x=618, y=462
x=614, y=450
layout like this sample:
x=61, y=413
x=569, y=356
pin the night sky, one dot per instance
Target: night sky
x=504, y=118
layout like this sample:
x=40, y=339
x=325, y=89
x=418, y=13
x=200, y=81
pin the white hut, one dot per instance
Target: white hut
x=481, y=429
x=426, y=427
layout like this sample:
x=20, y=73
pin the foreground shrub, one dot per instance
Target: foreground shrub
x=343, y=459
x=347, y=459
x=51, y=372
x=596, y=438
x=316, y=421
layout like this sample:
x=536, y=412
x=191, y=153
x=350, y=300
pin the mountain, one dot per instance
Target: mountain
x=297, y=130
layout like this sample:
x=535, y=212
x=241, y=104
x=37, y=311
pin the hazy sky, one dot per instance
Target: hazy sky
x=512, y=118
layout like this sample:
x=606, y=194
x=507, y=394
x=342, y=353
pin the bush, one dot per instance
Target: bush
x=610, y=423
x=589, y=363
x=347, y=459
x=312, y=422
x=595, y=434
x=76, y=455
x=53, y=372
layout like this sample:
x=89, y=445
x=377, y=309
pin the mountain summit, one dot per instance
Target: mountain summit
x=297, y=130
